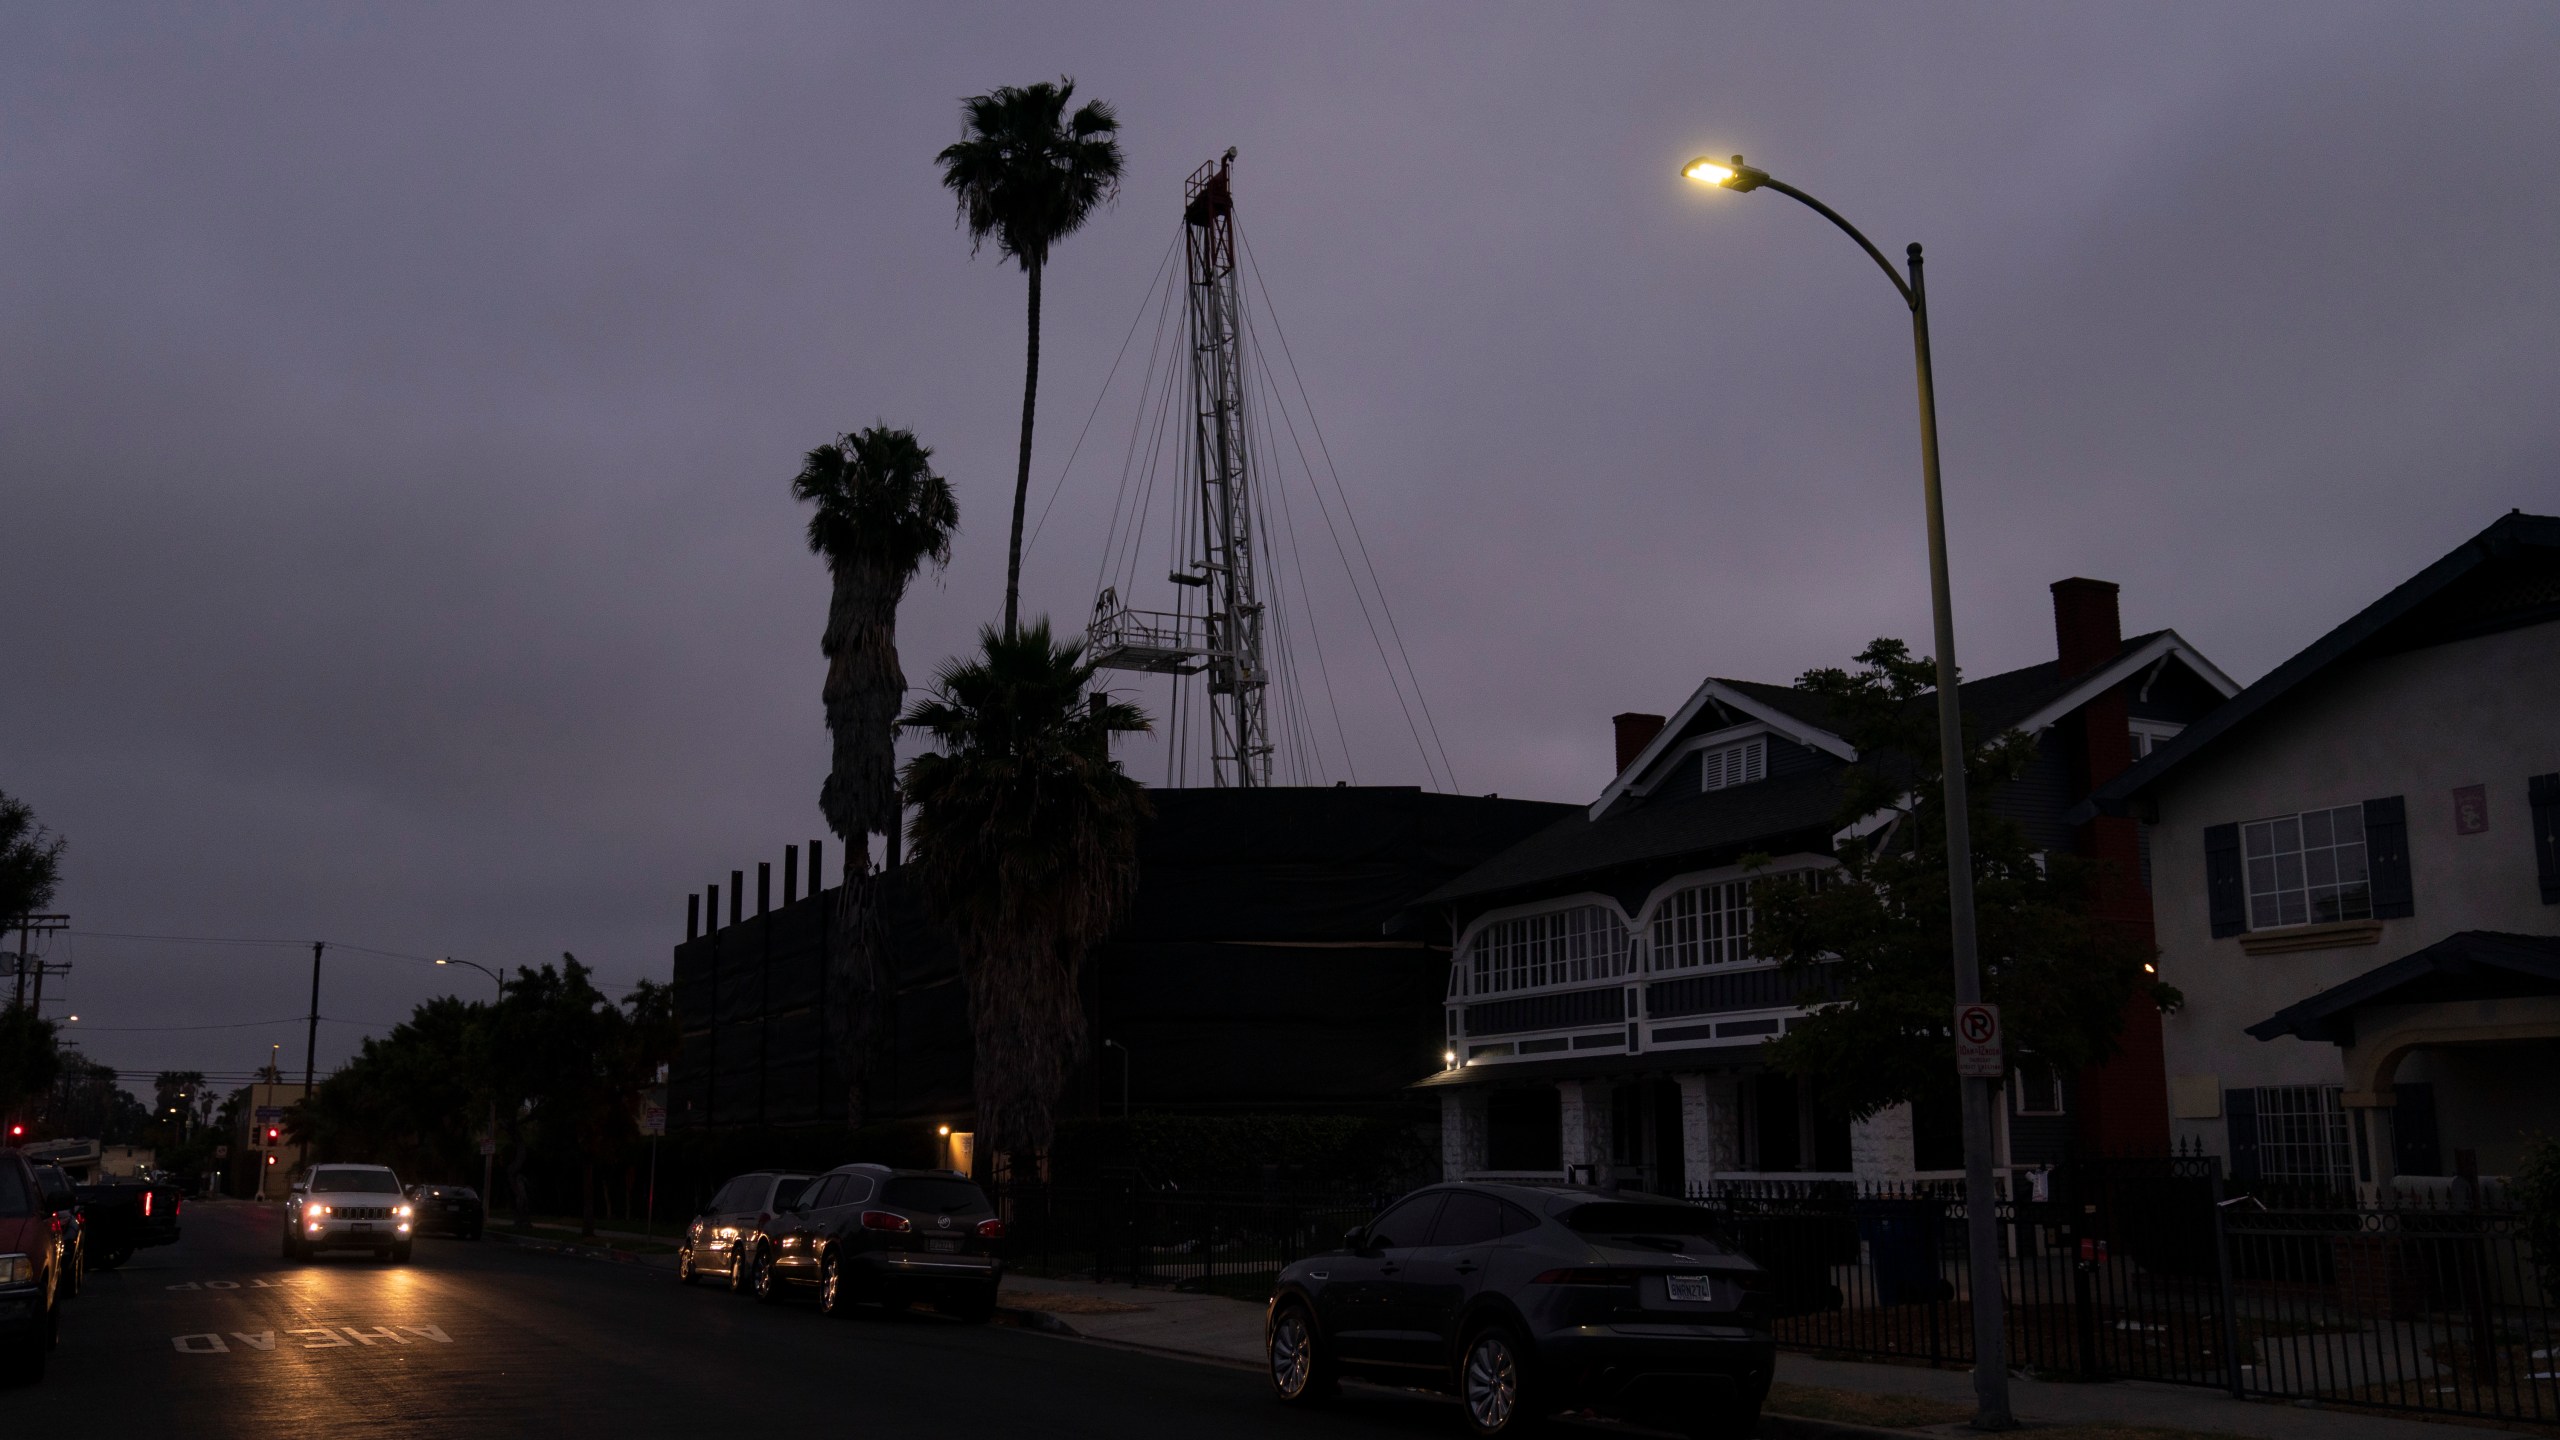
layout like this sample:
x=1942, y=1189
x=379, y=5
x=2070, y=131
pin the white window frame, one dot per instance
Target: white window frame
x=1702, y=927
x=2315, y=875
x=1580, y=944
x=2303, y=1134
x=1722, y=767
x=2150, y=735
x=2019, y=1081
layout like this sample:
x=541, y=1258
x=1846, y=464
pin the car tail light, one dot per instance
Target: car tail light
x=1595, y=1275
x=991, y=1229
x=885, y=1220
x=146, y=1204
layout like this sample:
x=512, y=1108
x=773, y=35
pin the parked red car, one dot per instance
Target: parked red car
x=30, y=1272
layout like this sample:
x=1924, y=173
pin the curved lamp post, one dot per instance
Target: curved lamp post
x=488, y=1162
x=1990, y=1372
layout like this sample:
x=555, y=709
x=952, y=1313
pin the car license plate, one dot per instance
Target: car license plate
x=362, y=1227
x=1690, y=1289
x=943, y=1247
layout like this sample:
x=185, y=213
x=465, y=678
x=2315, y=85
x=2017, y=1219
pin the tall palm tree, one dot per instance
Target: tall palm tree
x=1026, y=834
x=1029, y=174
x=881, y=514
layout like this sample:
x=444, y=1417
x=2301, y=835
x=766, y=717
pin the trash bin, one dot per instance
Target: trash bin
x=1901, y=1239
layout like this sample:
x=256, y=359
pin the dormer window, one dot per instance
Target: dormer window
x=1736, y=764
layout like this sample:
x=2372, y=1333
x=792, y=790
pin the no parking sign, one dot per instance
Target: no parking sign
x=1978, y=1054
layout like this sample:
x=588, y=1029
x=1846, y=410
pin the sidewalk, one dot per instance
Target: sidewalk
x=1223, y=1331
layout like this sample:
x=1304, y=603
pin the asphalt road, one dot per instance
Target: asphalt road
x=215, y=1337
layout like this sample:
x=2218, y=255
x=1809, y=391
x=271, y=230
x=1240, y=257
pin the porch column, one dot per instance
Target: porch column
x=1699, y=1134
x=2369, y=1111
x=1462, y=1133
x=1584, y=1107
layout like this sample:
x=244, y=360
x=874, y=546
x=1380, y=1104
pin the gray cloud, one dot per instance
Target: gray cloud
x=399, y=402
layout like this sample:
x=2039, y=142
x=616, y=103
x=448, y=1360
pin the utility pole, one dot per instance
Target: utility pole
x=310, y=1050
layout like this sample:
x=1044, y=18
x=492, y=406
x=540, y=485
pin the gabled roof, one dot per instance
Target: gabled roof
x=2466, y=965
x=2376, y=628
x=1715, y=823
x=1799, y=716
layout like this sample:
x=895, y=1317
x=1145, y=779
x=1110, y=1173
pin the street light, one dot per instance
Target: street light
x=488, y=1157
x=1990, y=1372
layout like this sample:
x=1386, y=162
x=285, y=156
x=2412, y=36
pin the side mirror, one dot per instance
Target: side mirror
x=1353, y=1238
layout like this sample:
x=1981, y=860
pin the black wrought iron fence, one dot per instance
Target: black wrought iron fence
x=2148, y=1269
x=2123, y=1269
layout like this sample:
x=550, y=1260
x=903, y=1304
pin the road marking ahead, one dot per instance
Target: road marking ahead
x=275, y=1284
x=328, y=1337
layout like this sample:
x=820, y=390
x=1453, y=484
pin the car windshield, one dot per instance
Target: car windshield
x=17, y=1200
x=363, y=1182
x=1681, y=1225
x=932, y=1192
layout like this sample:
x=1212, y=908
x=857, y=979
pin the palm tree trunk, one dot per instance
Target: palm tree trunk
x=1022, y=470
x=856, y=947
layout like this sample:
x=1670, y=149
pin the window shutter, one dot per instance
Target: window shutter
x=2225, y=899
x=2240, y=1113
x=2544, y=791
x=2386, y=852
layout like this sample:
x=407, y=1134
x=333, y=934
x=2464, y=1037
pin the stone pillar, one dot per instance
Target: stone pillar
x=2369, y=1116
x=1462, y=1133
x=1880, y=1145
x=1584, y=1105
x=1698, y=1133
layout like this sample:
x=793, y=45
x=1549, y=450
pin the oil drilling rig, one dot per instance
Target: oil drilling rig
x=1218, y=635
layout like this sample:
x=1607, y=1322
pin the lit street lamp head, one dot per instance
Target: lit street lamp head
x=1734, y=176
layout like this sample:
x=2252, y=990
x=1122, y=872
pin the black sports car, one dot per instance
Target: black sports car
x=1529, y=1299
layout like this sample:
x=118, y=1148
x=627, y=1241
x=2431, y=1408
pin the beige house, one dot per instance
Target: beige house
x=2356, y=883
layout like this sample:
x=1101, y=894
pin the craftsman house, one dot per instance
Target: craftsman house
x=2357, y=884
x=1606, y=1010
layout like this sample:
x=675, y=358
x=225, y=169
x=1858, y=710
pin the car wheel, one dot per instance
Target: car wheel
x=684, y=1265
x=833, y=1298
x=742, y=1267
x=1494, y=1391
x=1301, y=1371
x=400, y=1254
x=292, y=1249
x=768, y=1285
x=24, y=1363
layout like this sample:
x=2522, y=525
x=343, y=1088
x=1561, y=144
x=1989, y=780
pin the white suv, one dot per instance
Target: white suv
x=348, y=1207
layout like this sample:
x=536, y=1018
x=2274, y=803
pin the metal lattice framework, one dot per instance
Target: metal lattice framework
x=1226, y=640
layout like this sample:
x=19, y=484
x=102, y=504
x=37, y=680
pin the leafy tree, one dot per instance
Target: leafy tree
x=881, y=514
x=30, y=861
x=407, y=1098
x=87, y=1102
x=2061, y=976
x=1026, y=835
x=565, y=1063
x=1029, y=174
x=29, y=1060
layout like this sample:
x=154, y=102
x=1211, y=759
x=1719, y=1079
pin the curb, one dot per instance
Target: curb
x=1774, y=1426
x=560, y=1247
x=1040, y=1320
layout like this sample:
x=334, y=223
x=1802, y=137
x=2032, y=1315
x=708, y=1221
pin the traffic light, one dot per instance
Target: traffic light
x=275, y=1134
x=17, y=1132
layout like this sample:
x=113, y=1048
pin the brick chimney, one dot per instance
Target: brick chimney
x=2086, y=630
x=1634, y=733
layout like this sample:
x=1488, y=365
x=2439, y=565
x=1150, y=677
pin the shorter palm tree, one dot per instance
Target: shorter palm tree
x=881, y=514
x=1026, y=835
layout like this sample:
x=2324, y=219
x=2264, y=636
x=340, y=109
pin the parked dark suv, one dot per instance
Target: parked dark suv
x=1528, y=1299
x=448, y=1210
x=867, y=1233
x=732, y=1228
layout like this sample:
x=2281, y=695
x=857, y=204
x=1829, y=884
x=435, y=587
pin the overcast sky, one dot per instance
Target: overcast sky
x=397, y=404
